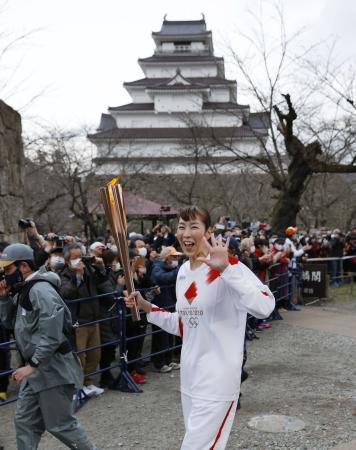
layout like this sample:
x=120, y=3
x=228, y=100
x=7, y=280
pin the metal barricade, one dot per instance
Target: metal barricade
x=281, y=281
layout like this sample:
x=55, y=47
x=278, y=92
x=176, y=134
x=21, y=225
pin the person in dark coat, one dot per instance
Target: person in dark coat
x=109, y=329
x=80, y=279
x=164, y=274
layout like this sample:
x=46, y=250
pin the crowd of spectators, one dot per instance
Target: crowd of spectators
x=90, y=269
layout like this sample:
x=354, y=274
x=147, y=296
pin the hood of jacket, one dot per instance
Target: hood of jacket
x=43, y=274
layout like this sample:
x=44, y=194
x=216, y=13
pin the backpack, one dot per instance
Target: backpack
x=68, y=328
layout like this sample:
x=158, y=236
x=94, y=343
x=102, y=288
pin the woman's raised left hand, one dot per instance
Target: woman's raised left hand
x=218, y=251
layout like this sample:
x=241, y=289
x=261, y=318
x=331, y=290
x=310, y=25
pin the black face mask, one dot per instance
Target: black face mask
x=14, y=278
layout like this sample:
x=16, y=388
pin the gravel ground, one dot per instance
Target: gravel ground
x=293, y=371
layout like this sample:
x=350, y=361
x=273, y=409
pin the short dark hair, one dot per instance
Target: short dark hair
x=68, y=248
x=108, y=257
x=30, y=263
x=195, y=212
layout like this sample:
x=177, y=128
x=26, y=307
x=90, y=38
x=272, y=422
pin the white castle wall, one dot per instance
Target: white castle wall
x=176, y=120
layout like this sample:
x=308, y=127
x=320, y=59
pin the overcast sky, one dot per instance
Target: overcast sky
x=85, y=49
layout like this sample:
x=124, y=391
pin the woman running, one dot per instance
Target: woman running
x=214, y=294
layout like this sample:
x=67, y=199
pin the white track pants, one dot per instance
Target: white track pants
x=207, y=423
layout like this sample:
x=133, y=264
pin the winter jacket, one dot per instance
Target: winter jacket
x=39, y=333
x=164, y=276
x=87, y=310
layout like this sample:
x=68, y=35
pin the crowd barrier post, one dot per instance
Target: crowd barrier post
x=124, y=382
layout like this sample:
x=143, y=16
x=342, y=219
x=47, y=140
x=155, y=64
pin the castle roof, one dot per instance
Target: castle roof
x=153, y=82
x=212, y=133
x=182, y=27
x=221, y=106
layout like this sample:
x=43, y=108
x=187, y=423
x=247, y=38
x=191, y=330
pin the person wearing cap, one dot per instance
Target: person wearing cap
x=164, y=274
x=31, y=305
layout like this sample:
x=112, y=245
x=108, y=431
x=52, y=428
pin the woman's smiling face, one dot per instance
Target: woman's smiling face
x=190, y=236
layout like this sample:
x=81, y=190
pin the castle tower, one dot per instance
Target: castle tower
x=181, y=109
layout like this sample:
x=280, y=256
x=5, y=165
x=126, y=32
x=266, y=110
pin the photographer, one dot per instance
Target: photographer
x=43, y=246
x=81, y=278
x=30, y=304
x=109, y=328
x=164, y=273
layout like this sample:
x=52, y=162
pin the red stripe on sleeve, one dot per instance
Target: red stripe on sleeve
x=213, y=274
x=233, y=260
x=180, y=325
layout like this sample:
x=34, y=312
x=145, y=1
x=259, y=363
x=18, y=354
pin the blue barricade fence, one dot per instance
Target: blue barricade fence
x=282, y=283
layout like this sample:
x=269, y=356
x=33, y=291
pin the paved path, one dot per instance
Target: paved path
x=302, y=367
x=329, y=320
x=348, y=446
x=323, y=319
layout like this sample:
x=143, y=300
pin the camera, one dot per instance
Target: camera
x=55, y=237
x=25, y=223
x=88, y=259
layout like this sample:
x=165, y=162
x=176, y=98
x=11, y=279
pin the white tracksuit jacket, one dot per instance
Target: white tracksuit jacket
x=211, y=319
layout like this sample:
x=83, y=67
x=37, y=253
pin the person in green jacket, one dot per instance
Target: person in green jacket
x=51, y=372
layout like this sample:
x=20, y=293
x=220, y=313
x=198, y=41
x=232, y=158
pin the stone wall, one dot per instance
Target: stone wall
x=11, y=172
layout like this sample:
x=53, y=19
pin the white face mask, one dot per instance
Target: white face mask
x=117, y=267
x=174, y=263
x=279, y=247
x=252, y=249
x=56, y=261
x=264, y=249
x=74, y=263
x=142, y=251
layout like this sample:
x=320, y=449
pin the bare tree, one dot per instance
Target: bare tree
x=65, y=160
x=298, y=147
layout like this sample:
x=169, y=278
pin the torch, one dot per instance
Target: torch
x=113, y=202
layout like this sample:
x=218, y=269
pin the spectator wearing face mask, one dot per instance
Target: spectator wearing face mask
x=138, y=246
x=81, y=278
x=137, y=329
x=291, y=244
x=108, y=328
x=56, y=261
x=261, y=258
x=279, y=274
x=164, y=274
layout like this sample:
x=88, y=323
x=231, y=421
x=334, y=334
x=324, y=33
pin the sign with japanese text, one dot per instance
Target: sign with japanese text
x=315, y=280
